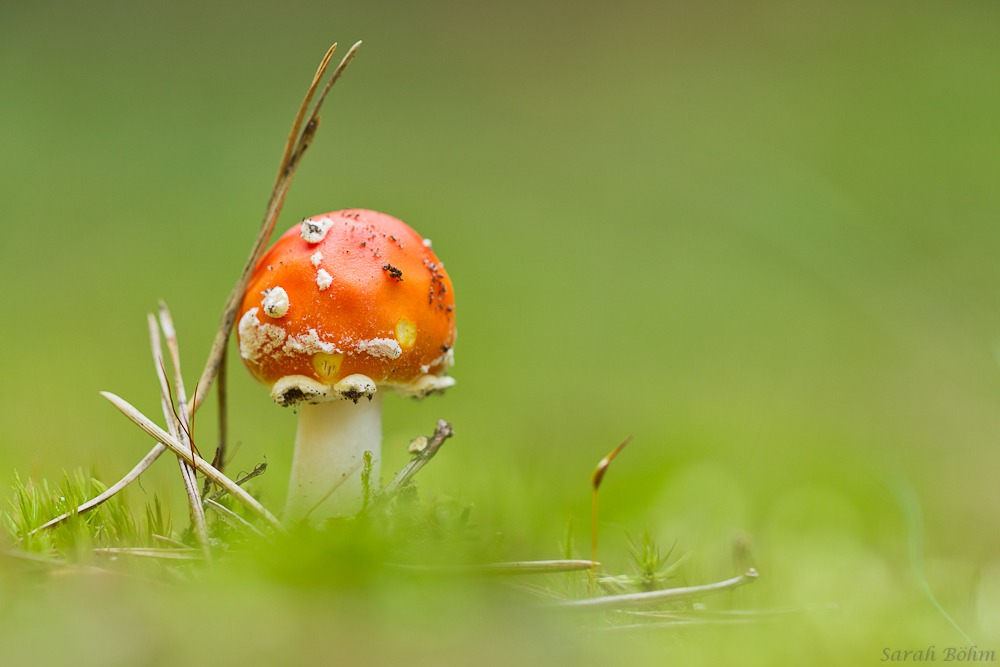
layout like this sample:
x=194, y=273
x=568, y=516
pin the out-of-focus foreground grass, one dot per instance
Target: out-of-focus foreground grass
x=761, y=240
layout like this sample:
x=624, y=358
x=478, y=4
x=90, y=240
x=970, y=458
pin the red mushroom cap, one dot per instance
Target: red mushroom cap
x=345, y=301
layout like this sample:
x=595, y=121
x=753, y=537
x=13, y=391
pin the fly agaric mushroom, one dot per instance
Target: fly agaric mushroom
x=344, y=306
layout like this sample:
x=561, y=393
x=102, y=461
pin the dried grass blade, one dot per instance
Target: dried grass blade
x=201, y=464
x=512, y=568
x=310, y=131
x=174, y=417
x=293, y=135
x=132, y=475
x=167, y=554
x=168, y=540
x=223, y=397
x=632, y=600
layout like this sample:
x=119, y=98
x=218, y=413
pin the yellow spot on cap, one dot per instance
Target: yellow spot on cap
x=406, y=333
x=327, y=365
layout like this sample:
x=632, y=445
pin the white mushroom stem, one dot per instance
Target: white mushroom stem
x=330, y=444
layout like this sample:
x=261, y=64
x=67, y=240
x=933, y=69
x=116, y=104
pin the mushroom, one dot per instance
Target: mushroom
x=345, y=306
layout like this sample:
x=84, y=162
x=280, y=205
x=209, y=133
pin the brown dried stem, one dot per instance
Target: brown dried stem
x=201, y=464
x=223, y=398
x=174, y=418
x=295, y=148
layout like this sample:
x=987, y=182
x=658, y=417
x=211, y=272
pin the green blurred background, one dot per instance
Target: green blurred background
x=761, y=239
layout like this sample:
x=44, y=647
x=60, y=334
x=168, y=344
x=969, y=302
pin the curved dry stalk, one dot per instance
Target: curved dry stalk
x=178, y=429
x=290, y=159
x=201, y=464
x=132, y=475
x=614, y=602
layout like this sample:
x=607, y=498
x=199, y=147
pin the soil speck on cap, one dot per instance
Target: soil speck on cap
x=393, y=272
